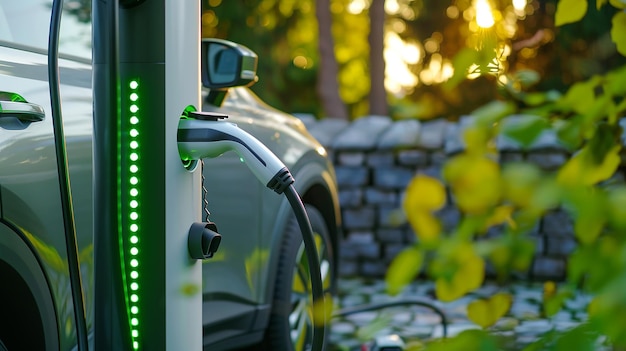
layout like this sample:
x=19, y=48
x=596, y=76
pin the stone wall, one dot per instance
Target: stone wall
x=375, y=158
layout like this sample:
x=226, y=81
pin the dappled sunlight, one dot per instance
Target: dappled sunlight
x=398, y=55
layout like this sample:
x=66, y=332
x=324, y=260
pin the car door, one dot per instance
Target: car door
x=30, y=205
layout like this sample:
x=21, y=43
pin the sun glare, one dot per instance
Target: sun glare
x=484, y=14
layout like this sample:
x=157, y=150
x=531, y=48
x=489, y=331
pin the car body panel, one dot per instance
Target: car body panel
x=29, y=186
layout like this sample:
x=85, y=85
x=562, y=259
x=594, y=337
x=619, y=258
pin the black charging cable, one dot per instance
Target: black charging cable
x=71, y=244
x=319, y=309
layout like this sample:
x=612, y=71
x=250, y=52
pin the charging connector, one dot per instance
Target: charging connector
x=205, y=135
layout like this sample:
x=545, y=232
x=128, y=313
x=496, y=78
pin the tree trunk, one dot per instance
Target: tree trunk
x=327, y=85
x=378, y=94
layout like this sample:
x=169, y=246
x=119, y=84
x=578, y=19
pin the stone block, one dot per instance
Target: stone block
x=392, y=177
x=369, y=251
x=362, y=134
x=380, y=159
x=548, y=268
x=433, y=171
x=509, y=157
x=376, y=196
x=327, y=129
x=373, y=269
x=351, y=176
x=390, y=236
x=450, y=216
x=391, y=251
x=432, y=134
x=414, y=158
x=438, y=158
x=388, y=216
x=560, y=245
x=360, y=238
x=557, y=223
x=359, y=218
x=348, y=269
x=350, y=198
x=454, y=143
x=350, y=158
x=405, y=133
x=348, y=251
x=548, y=160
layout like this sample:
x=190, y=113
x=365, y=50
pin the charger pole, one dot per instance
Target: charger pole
x=146, y=72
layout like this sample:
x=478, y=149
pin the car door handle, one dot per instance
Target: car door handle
x=22, y=110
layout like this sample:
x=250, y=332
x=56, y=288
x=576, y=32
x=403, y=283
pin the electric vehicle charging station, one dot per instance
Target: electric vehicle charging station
x=147, y=139
x=146, y=73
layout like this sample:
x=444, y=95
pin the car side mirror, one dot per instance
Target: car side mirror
x=226, y=64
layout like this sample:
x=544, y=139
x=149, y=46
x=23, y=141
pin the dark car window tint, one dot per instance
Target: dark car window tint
x=27, y=22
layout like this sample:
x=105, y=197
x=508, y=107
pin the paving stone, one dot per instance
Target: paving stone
x=343, y=328
x=422, y=324
x=535, y=327
x=453, y=329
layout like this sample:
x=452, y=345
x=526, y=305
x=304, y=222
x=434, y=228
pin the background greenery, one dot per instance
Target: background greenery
x=560, y=64
x=423, y=38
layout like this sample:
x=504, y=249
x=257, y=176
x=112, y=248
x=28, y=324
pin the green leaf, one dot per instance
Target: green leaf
x=602, y=142
x=569, y=11
x=580, y=96
x=620, y=4
x=524, y=129
x=486, y=312
x=403, y=269
x=492, y=112
x=571, y=131
x=618, y=32
x=461, y=63
x=578, y=339
x=468, y=340
x=527, y=77
x=614, y=82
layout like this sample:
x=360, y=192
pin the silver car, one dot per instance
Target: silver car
x=256, y=292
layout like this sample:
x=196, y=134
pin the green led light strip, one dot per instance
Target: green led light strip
x=133, y=210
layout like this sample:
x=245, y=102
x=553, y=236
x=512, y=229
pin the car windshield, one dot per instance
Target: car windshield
x=26, y=22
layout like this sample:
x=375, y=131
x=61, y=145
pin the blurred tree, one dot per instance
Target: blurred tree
x=328, y=70
x=378, y=92
x=283, y=35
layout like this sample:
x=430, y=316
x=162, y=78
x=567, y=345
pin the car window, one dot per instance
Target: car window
x=27, y=22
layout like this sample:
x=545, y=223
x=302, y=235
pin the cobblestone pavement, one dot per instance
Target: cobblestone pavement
x=416, y=324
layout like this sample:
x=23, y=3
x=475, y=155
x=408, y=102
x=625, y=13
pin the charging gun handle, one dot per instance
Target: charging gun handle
x=210, y=138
